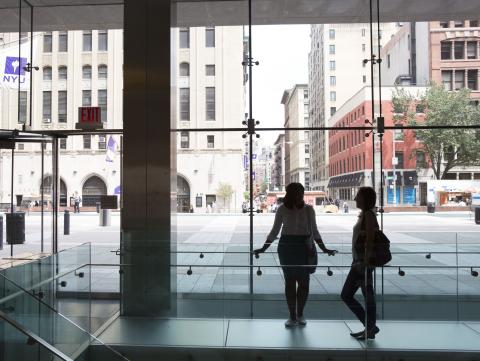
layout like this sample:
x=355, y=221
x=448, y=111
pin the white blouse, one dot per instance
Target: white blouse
x=295, y=222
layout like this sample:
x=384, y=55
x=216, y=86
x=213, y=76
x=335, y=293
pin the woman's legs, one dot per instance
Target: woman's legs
x=352, y=284
x=369, y=296
x=302, y=294
x=290, y=295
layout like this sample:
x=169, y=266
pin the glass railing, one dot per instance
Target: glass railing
x=52, y=298
x=21, y=344
x=432, y=276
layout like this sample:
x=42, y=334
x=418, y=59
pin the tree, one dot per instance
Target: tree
x=263, y=187
x=444, y=148
x=225, y=192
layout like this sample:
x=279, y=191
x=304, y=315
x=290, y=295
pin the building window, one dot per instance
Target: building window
x=444, y=24
x=62, y=41
x=471, y=50
x=210, y=141
x=184, y=103
x=87, y=141
x=47, y=42
x=62, y=73
x=102, y=71
x=47, y=73
x=62, y=106
x=398, y=134
x=210, y=70
x=459, y=24
x=102, y=40
x=447, y=79
x=333, y=80
x=446, y=50
x=102, y=141
x=102, y=103
x=473, y=23
x=63, y=143
x=331, y=33
x=87, y=72
x=184, y=140
x=210, y=37
x=459, y=50
x=305, y=94
x=472, y=79
x=184, y=69
x=307, y=148
x=47, y=107
x=332, y=49
x=420, y=159
x=210, y=103
x=22, y=111
x=459, y=79
x=332, y=65
x=363, y=47
x=184, y=38
x=364, y=78
x=333, y=96
x=333, y=110
x=87, y=41
x=307, y=162
x=307, y=135
x=86, y=98
x=399, y=156
x=363, y=32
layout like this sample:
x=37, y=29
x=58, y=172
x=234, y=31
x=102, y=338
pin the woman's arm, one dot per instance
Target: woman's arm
x=370, y=229
x=317, y=236
x=277, y=224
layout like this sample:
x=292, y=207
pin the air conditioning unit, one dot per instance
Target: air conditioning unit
x=47, y=120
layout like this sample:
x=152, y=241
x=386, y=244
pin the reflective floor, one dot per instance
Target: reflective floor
x=398, y=338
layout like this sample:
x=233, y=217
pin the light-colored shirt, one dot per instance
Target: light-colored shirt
x=294, y=222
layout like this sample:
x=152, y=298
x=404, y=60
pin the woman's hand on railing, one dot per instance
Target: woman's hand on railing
x=257, y=251
x=330, y=252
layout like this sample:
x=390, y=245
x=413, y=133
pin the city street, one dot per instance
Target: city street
x=434, y=237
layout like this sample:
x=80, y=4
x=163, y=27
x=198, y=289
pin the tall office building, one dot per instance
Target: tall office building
x=336, y=73
x=297, y=154
x=85, y=68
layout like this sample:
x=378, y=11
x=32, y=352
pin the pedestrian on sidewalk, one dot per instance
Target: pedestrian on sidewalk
x=298, y=224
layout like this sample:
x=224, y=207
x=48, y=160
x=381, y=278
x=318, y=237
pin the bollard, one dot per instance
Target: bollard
x=1, y=233
x=66, y=222
x=104, y=218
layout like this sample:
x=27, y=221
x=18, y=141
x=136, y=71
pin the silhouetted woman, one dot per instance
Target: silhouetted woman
x=362, y=241
x=298, y=220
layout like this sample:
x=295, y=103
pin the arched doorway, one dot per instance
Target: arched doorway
x=183, y=195
x=47, y=188
x=92, y=189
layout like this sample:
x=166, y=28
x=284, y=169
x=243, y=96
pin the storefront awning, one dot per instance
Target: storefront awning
x=346, y=180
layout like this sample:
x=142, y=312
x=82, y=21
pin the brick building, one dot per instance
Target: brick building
x=351, y=153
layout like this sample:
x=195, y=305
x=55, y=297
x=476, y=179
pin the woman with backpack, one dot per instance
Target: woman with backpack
x=361, y=270
x=298, y=220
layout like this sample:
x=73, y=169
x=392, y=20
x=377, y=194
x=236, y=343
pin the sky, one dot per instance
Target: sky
x=282, y=51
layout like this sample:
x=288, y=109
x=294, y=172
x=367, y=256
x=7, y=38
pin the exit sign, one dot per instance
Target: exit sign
x=89, y=118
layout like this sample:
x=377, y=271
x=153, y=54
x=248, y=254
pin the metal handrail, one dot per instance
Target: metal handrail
x=35, y=337
x=25, y=291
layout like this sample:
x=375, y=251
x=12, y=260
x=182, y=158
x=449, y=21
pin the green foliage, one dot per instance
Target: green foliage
x=263, y=187
x=445, y=148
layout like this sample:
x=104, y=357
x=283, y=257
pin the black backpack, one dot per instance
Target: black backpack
x=381, y=254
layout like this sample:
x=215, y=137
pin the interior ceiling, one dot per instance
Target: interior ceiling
x=96, y=14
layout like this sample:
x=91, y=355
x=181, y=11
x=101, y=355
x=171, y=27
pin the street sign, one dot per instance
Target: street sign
x=89, y=118
x=108, y=202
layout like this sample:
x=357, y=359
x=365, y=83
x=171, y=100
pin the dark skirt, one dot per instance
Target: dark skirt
x=292, y=251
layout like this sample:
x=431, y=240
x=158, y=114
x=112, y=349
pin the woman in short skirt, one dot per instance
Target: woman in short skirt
x=298, y=221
